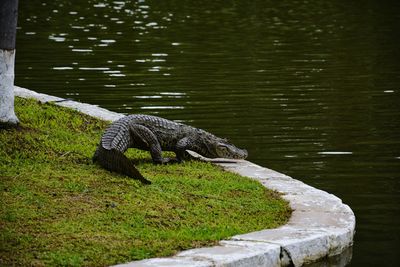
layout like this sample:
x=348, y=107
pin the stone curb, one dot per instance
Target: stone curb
x=321, y=225
x=88, y=109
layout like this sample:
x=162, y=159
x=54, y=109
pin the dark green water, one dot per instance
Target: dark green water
x=310, y=88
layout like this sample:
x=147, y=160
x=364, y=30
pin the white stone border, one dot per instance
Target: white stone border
x=88, y=109
x=320, y=226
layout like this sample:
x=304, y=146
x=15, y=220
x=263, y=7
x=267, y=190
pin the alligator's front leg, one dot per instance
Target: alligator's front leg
x=143, y=138
x=181, y=147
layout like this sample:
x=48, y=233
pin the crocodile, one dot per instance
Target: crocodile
x=155, y=135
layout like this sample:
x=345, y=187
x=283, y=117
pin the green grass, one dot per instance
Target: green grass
x=57, y=208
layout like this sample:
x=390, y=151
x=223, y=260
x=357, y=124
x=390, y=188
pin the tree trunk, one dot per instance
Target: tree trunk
x=8, y=30
x=7, y=114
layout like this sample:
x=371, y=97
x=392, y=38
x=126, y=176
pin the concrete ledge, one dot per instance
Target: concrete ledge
x=321, y=225
x=88, y=109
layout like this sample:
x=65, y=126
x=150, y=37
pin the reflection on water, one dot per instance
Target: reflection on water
x=336, y=261
x=311, y=88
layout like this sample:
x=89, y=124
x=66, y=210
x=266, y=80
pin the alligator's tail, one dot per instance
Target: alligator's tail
x=114, y=160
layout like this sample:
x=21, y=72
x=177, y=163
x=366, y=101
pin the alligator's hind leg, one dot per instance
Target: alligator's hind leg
x=143, y=138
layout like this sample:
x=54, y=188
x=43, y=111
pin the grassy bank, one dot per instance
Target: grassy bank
x=57, y=208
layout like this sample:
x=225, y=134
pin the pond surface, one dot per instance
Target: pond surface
x=310, y=88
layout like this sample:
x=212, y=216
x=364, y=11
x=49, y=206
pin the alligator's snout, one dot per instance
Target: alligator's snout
x=244, y=154
x=229, y=151
x=241, y=154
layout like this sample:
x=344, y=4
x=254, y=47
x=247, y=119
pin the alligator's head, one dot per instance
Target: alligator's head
x=221, y=148
x=229, y=151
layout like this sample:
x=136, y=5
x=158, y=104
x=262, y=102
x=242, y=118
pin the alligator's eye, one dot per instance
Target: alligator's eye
x=222, y=150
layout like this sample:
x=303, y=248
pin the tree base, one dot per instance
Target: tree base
x=7, y=126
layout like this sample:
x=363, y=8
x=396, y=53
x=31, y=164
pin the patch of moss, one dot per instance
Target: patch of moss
x=57, y=208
